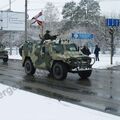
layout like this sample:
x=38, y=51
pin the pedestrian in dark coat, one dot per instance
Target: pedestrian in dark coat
x=85, y=50
x=96, y=52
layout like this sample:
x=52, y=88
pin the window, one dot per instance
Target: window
x=71, y=47
x=58, y=48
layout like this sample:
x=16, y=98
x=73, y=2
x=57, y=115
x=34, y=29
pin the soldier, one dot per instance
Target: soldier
x=47, y=36
x=85, y=50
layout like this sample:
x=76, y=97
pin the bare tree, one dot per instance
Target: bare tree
x=51, y=15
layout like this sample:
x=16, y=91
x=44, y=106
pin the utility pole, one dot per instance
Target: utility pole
x=25, y=20
x=10, y=38
x=9, y=5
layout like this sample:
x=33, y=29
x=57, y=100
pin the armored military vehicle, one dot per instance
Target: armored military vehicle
x=3, y=53
x=58, y=57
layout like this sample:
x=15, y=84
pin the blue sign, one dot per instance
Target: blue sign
x=82, y=36
x=112, y=22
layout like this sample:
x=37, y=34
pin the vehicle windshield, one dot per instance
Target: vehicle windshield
x=58, y=48
x=71, y=47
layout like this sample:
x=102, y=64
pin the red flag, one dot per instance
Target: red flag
x=36, y=19
x=39, y=22
x=38, y=15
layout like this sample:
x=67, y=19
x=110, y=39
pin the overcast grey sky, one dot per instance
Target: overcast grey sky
x=108, y=7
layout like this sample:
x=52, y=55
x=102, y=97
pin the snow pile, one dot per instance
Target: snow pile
x=105, y=61
x=17, y=57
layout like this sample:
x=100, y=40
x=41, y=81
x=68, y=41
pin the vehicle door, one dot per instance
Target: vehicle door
x=46, y=56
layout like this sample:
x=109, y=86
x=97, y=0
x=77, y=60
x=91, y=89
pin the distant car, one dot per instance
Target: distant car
x=58, y=58
x=3, y=53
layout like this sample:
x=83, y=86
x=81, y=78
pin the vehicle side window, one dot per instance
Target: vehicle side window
x=43, y=49
x=71, y=47
x=46, y=50
x=58, y=48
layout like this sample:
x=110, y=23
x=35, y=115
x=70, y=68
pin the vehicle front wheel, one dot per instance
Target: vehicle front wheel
x=29, y=68
x=59, y=71
x=5, y=59
x=85, y=74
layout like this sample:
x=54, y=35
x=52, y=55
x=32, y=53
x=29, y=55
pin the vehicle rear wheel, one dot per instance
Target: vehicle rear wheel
x=85, y=74
x=29, y=68
x=59, y=71
x=5, y=59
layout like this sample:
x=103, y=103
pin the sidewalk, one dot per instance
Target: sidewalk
x=105, y=61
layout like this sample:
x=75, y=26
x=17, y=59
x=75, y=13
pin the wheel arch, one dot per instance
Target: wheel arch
x=27, y=57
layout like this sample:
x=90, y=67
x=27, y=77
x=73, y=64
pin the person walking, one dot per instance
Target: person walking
x=96, y=52
x=85, y=50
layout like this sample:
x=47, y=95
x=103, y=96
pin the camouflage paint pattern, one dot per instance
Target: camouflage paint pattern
x=43, y=55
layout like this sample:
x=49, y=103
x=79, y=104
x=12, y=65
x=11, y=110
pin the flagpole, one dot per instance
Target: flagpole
x=42, y=31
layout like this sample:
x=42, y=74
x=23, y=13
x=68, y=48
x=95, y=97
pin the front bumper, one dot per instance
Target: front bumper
x=78, y=69
x=84, y=64
x=3, y=56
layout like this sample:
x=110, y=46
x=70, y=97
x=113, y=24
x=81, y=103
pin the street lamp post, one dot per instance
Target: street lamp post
x=112, y=23
x=111, y=31
x=25, y=20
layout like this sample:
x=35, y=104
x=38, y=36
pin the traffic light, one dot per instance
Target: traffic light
x=111, y=31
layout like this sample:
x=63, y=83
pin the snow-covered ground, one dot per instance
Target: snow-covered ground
x=17, y=104
x=105, y=61
x=17, y=57
x=20, y=105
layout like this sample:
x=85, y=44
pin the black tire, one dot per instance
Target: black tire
x=5, y=59
x=20, y=50
x=85, y=74
x=59, y=71
x=29, y=68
